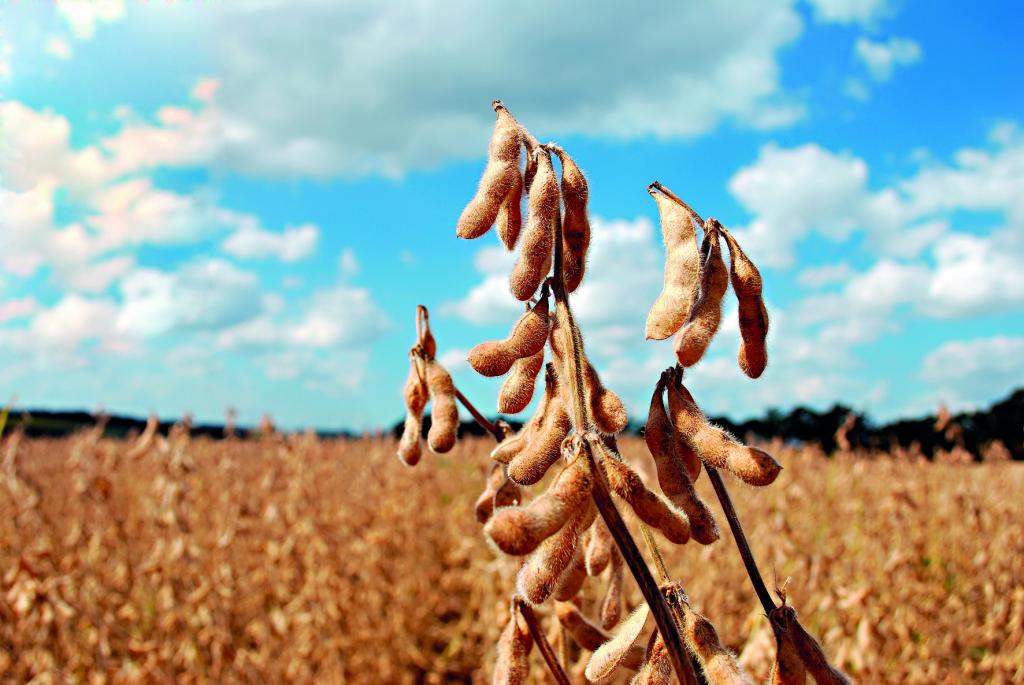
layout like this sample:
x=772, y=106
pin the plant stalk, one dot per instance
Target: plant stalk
x=494, y=429
x=546, y=651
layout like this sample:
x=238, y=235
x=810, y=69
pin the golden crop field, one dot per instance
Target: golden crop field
x=304, y=560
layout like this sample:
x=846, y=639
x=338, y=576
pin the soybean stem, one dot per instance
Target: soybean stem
x=741, y=539
x=493, y=428
x=542, y=642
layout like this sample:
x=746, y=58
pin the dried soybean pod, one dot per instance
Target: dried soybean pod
x=657, y=666
x=444, y=413
x=544, y=446
x=512, y=665
x=718, y=448
x=611, y=605
x=650, y=507
x=571, y=582
x=683, y=448
x=672, y=475
x=719, y=664
x=510, y=215
x=539, y=234
x=500, y=492
x=682, y=269
x=546, y=566
x=611, y=654
x=496, y=357
x=599, y=548
x=517, y=390
x=706, y=315
x=519, y=530
x=607, y=409
x=810, y=652
x=499, y=177
x=590, y=637
x=753, y=317
x=575, y=223
x=416, y=396
x=510, y=448
x=788, y=668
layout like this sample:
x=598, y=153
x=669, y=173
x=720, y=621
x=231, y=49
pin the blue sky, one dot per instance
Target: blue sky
x=204, y=204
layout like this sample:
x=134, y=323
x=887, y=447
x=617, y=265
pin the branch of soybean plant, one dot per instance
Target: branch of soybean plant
x=741, y=539
x=663, y=617
x=494, y=429
x=546, y=651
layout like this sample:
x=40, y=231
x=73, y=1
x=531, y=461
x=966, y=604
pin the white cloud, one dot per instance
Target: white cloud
x=12, y=310
x=824, y=274
x=71, y=321
x=850, y=11
x=293, y=244
x=83, y=16
x=289, y=75
x=348, y=264
x=207, y=294
x=881, y=59
x=58, y=47
x=968, y=373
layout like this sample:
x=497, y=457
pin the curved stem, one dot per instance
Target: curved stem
x=741, y=539
x=546, y=651
x=494, y=429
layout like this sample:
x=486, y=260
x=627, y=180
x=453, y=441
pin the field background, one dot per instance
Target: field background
x=310, y=560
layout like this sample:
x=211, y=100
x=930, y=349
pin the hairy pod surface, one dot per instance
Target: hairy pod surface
x=539, y=235
x=651, y=508
x=682, y=269
x=691, y=461
x=498, y=180
x=753, y=317
x=544, y=446
x=590, y=637
x=528, y=336
x=808, y=649
x=599, y=548
x=575, y=223
x=673, y=477
x=706, y=315
x=605, y=406
x=611, y=604
x=510, y=215
x=571, y=582
x=546, y=565
x=512, y=664
x=499, y=492
x=416, y=396
x=517, y=390
x=512, y=447
x=610, y=655
x=788, y=668
x=657, y=666
x=444, y=413
x=519, y=530
x=718, y=448
x=719, y=664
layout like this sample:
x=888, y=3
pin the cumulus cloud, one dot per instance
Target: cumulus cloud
x=83, y=18
x=292, y=244
x=882, y=58
x=851, y=11
x=968, y=373
x=350, y=89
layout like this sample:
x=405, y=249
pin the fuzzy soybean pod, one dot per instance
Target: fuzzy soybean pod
x=808, y=649
x=718, y=663
x=510, y=215
x=496, y=357
x=657, y=666
x=651, y=508
x=684, y=450
x=706, y=315
x=513, y=446
x=672, y=474
x=682, y=269
x=499, y=492
x=416, y=396
x=575, y=223
x=609, y=656
x=517, y=390
x=590, y=637
x=520, y=530
x=444, y=413
x=611, y=604
x=788, y=668
x=718, y=448
x=753, y=317
x=499, y=178
x=605, y=405
x=547, y=565
x=544, y=446
x=512, y=665
x=571, y=582
x=539, y=235
x=599, y=549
